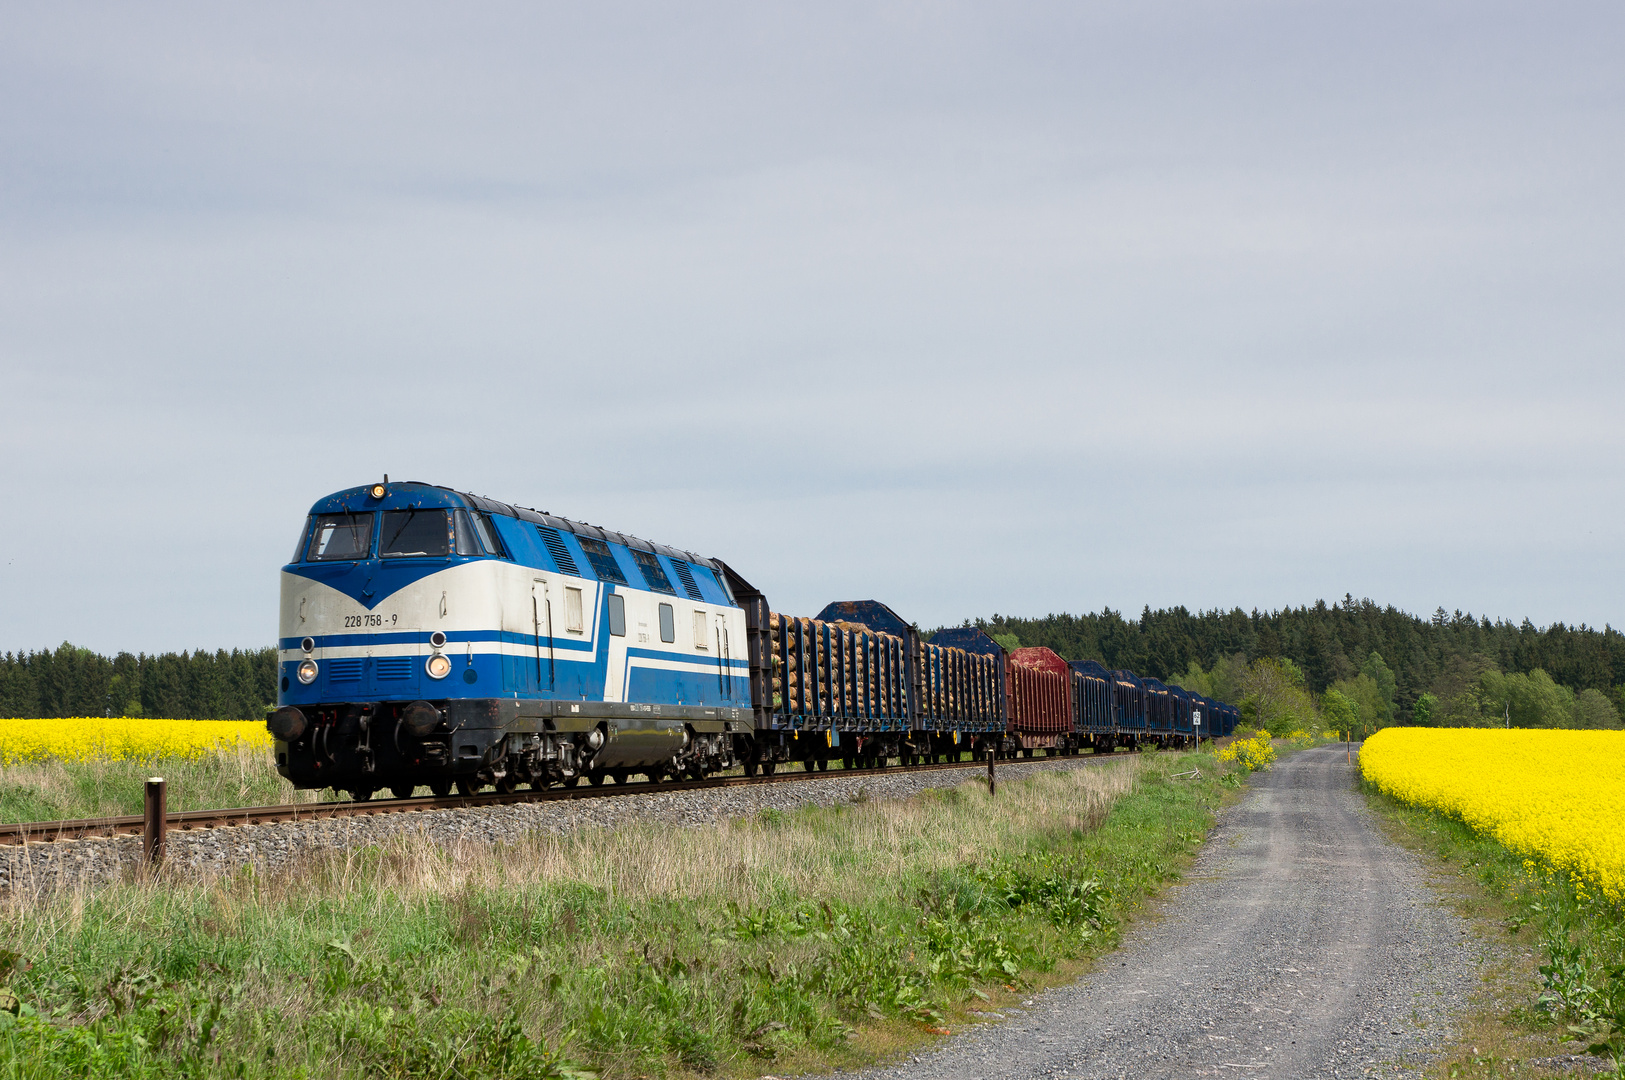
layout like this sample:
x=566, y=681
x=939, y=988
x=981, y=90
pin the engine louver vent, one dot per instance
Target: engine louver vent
x=556, y=548
x=686, y=574
x=347, y=669
x=394, y=668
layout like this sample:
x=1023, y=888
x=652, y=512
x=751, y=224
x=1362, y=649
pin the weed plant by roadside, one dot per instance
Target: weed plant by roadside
x=784, y=941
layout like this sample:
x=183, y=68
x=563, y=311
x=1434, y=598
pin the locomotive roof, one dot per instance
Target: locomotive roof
x=400, y=495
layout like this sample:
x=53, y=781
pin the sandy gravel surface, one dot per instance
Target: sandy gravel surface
x=44, y=866
x=1303, y=944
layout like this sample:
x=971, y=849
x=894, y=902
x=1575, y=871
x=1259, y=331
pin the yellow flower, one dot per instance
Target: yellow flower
x=94, y=738
x=1557, y=798
x=1254, y=753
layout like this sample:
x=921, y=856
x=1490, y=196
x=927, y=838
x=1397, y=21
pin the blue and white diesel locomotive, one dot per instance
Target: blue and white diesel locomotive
x=431, y=637
x=434, y=637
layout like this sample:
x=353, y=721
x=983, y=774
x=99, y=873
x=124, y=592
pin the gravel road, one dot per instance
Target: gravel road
x=1303, y=944
x=88, y=862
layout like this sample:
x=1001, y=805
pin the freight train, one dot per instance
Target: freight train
x=429, y=637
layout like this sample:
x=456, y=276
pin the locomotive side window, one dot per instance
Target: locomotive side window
x=340, y=536
x=409, y=533
x=572, y=611
x=602, y=559
x=668, y=624
x=700, y=632
x=617, y=615
x=468, y=541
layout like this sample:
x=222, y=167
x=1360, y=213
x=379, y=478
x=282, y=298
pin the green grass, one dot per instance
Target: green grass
x=56, y=790
x=828, y=936
x=238, y=776
x=1570, y=991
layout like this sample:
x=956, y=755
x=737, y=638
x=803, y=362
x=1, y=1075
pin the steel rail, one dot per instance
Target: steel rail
x=17, y=834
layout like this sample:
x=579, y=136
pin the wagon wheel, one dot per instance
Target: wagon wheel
x=596, y=777
x=823, y=764
x=768, y=766
x=750, y=768
x=571, y=781
x=467, y=787
x=402, y=790
x=361, y=794
x=440, y=788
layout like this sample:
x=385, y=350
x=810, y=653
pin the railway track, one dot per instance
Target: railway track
x=16, y=834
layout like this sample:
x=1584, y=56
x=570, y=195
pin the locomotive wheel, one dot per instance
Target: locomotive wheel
x=440, y=788
x=507, y=784
x=571, y=781
x=467, y=787
x=361, y=794
x=403, y=790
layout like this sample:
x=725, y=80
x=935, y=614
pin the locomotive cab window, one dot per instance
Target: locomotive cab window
x=340, y=536
x=414, y=534
x=617, y=615
x=299, y=545
x=668, y=624
x=488, y=534
x=469, y=541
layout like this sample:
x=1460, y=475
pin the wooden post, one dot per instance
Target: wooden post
x=156, y=818
x=992, y=779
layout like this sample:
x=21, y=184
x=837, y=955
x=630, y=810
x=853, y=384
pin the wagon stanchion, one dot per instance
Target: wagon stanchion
x=155, y=818
x=992, y=780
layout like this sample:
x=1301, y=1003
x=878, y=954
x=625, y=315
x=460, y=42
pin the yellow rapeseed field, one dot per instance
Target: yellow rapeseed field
x=1555, y=797
x=94, y=738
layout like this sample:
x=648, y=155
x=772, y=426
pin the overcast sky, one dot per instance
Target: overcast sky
x=1010, y=308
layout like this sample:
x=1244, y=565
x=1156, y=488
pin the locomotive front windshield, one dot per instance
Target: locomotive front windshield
x=340, y=536
x=408, y=533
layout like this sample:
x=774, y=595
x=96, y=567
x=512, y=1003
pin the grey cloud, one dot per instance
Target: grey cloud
x=966, y=307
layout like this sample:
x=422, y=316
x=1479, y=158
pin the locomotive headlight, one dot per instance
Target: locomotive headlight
x=377, y=491
x=307, y=671
x=437, y=666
